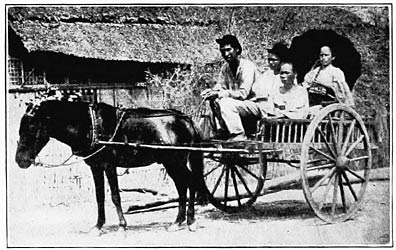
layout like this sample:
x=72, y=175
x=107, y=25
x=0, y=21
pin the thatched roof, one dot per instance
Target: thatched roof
x=171, y=14
x=135, y=42
x=191, y=30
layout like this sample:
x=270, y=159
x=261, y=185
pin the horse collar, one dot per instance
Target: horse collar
x=94, y=127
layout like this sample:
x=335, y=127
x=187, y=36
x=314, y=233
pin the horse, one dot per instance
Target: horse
x=80, y=125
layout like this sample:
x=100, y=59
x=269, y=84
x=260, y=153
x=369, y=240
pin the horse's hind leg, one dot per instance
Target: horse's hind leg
x=191, y=223
x=195, y=184
x=180, y=178
x=112, y=178
x=98, y=177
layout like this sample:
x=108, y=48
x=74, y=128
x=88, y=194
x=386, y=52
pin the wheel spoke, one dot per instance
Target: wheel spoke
x=218, y=181
x=322, y=153
x=243, y=181
x=328, y=186
x=348, y=137
x=326, y=176
x=363, y=157
x=352, y=147
x=249, y=172
x=342, y=193
x=356, y=175
x=213, y=169
x=317, y=161
x=226, y=186
x=326, y=142
x=333, y=206
x=235, y=186
x=324, y=166
x=332, y=130
x=350, y=186
x=340, y=131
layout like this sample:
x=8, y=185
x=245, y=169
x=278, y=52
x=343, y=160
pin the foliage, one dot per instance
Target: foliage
x=181, y=88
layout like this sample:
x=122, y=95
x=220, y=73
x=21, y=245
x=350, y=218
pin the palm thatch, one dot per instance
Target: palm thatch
x=127, y=42
x=171, y=14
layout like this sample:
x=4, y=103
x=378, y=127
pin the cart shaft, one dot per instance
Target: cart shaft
x=187, y=148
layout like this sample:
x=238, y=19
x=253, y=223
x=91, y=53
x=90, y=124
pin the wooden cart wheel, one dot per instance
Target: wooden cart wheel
x=335, y=163
x=234, y=180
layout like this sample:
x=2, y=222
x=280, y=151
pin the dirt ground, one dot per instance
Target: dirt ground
x=279, y=219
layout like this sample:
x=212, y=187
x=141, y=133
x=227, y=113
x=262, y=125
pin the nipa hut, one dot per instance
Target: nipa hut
x=61, y=47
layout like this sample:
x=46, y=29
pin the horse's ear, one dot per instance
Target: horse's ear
x=29, y=105
x=29, y=109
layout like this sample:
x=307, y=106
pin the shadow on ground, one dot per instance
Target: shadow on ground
x=153, y=226
x=277, y=210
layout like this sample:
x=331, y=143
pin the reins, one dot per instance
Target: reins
x=92, y=144
x=195, y=115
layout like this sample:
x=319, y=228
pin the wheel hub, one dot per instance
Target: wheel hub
x=342, y=161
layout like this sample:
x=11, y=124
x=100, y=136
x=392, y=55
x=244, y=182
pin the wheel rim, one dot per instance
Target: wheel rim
x=233, y=181
x=335, y=163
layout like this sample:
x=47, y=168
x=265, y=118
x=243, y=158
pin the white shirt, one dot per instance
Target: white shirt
x=292, y=103
x=240, y=86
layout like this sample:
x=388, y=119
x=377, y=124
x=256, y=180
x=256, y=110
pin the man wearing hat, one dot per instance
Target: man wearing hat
x=234, y=86
x=269, y=82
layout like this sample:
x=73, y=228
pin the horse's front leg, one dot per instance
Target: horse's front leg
x=111, y=174
x=98, y=177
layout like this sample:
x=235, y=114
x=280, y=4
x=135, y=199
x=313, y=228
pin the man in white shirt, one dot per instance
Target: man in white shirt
x=234, y=86
x=291, y=99
x=269, y=81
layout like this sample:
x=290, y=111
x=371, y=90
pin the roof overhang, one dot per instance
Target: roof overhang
x=153, y=43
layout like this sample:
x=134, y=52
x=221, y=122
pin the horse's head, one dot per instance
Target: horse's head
x=33, y=135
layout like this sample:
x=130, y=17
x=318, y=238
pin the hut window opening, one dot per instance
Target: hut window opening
x=15, y=71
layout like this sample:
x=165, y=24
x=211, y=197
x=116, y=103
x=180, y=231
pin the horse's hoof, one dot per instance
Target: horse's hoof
x=95, y=232
x=193, y=227
x=174, y=227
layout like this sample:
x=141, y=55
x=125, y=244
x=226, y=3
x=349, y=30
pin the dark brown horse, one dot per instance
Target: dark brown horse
x=80, y=125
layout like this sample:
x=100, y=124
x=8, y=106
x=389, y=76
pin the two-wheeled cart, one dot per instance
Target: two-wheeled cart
x=332, y=152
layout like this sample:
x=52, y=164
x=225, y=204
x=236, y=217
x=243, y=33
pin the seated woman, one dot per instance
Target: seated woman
x=326, y=83
x=291, y=99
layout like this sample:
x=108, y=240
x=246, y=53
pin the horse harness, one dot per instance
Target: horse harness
x=94, y=134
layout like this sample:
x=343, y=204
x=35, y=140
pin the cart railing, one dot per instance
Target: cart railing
x=277, y=132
